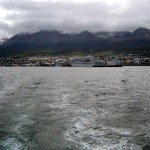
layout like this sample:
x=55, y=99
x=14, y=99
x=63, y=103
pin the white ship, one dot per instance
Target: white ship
x=115, y=62
x=88, y=61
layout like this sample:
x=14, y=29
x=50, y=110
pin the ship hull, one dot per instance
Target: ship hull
x=94, y=65
x=82, y=64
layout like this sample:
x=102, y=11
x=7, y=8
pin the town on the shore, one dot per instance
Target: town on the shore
x=64, y=61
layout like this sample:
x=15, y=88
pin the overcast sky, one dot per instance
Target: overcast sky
x=72, y=15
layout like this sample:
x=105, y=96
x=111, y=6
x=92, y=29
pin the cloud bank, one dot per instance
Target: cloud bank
x=72, y=16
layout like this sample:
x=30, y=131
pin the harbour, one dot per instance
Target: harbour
x=77, y=61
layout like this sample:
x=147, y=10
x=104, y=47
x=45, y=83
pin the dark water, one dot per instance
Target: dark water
x=74, y=108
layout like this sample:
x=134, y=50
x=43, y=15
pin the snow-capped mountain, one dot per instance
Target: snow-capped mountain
x=3, y=40
x=59, y=41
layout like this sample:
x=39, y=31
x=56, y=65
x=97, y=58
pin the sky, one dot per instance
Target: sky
x=18, y=16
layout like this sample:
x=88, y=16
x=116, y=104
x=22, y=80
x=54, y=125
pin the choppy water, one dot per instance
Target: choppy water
x=74, y=108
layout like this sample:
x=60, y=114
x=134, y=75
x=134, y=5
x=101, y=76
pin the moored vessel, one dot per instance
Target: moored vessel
x=87, y=61
x=90, y=61
x=114, y=62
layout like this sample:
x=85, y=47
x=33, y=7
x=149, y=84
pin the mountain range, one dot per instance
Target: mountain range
x=137, y=41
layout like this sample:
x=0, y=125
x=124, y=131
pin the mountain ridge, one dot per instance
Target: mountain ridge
x=83, y=41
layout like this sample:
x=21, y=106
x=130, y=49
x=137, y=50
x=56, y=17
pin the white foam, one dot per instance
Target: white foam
x=25, y=120
x=63, y=99
x=88, y=135
x=21, y=122
x=18, y=129
x=12, y=144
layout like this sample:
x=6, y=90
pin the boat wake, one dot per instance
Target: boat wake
x=86, y=134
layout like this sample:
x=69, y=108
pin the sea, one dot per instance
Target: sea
x=70, y=108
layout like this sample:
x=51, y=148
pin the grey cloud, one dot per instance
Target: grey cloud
x=30, y=16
